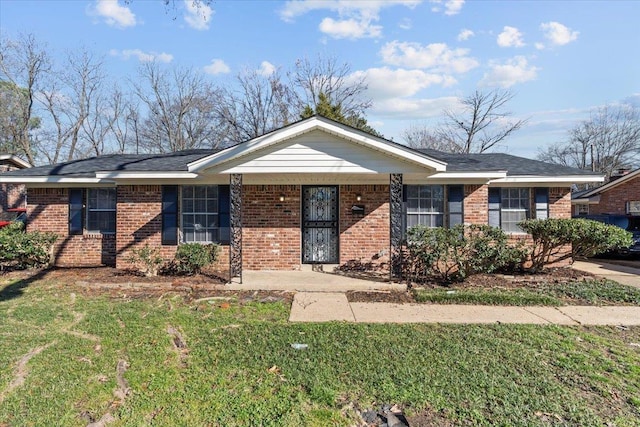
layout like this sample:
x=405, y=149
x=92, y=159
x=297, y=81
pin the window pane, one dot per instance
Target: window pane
x=200, y=213
x=200, y=192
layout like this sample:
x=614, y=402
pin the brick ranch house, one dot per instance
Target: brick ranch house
x=315, y=191
x=619, y=196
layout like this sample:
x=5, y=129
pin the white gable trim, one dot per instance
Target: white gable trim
x=311, y=124
x=15, y=160
x=613, y=184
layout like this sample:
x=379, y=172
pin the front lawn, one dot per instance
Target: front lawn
x=584, y=292
x=68, y=358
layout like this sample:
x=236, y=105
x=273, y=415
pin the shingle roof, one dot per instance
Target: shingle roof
x=514, y=165
x=118, y=162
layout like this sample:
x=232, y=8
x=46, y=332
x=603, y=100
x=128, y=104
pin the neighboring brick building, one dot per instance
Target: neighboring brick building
x=620, y=196
x=314, y=192
x=12, y=195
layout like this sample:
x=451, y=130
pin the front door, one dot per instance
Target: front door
x=320, y=225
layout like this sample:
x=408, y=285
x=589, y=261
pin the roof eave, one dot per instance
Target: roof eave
x=146, y=175
x=560, y=179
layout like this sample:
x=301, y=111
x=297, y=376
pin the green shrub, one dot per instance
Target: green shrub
x=453, y=254
x=146, y=259
x=191, y=258
x=586, y=237
x=20, y=249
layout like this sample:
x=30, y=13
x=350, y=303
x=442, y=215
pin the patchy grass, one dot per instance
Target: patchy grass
x=587, y=292
x=518, y=297
x=168, y=360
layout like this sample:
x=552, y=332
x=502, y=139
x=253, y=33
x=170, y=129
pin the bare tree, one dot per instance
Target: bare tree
x=334, y=80
x=420, y=136
x=72, y=98
x=180, y=109
x=481, y=125
x=608, y=140
x=23, y=63
x=260, y=105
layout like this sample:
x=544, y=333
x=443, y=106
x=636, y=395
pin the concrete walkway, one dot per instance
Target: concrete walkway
x=334, y=306
x=308, y=281
x=625, y=275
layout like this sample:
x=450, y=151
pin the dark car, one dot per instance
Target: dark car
x=627, y=222
x=13, y=215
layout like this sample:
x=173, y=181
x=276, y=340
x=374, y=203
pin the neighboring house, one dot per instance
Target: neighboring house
x=620, y=196
x=315, y=191
x=12, y=195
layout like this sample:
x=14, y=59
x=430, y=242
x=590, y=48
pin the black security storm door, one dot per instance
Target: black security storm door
x=320, y=224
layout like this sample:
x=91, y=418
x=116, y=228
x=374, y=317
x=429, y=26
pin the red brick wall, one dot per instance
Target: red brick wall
x=139, y=222
x=476, y=204
x=614, y=200
x=271, y=235
x=12, y=196
x=560, y=202
x=364, y=239
x=48, y=210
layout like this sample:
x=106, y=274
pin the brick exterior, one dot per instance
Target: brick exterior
x=271, y=233
x=48, y=210
x=559, y=202
x=364, y=238
x=271, y=229
x=614, y=200
x=139, y=222
x=476, y=204
x=11, y=195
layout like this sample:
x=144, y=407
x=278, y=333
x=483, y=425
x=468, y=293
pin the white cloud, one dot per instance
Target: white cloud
x=451, y=7
x=295, y=8
x=197, y=15
x=436, y=56
x=349, y=28
x=385, y=83
x=513, y=71
x=266, y=68
x=510, y=37
x=539, y=46
x=465, y=34
x=113, y=13
x=217, y=66
x=356, y=19
x=405, y=24
x=142, y=56
x=558, y=34
x=412, y=109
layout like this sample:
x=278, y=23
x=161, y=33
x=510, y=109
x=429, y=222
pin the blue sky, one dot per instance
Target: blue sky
x=561, y=59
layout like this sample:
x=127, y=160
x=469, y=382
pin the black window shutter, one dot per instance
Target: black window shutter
x=455, y=207
x=76, y=211
x=169, y=214
x=494, y=206
x=542, y=202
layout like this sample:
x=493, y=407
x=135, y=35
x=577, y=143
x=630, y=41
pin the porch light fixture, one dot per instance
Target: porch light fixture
x=282, y=197
x=358, y=197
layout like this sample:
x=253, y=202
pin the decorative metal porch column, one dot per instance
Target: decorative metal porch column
x=235, y=249
x=395, y=218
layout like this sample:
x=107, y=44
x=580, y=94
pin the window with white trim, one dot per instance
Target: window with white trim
x=424, y=205
x=510, y=205
x=200, y=222
x=582, y=209
x=101, y=210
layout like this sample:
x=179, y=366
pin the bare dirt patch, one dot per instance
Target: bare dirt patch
x=114, y=283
